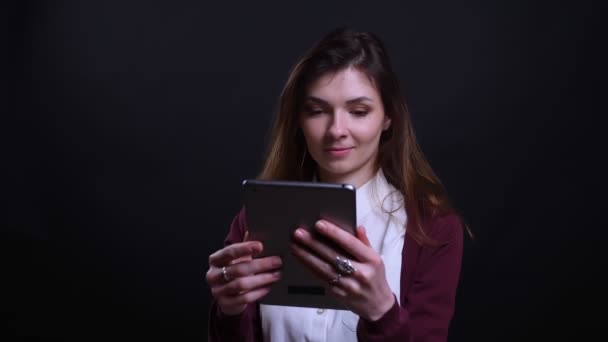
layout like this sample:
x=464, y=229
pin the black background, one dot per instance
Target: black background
x=129, y=127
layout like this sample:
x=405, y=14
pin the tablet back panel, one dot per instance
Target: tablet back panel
x=274, y=209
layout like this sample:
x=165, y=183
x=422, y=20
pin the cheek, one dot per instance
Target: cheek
x=312, y=130
x=367, y=134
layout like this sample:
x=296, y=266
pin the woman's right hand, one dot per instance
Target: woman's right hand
x=246, y=279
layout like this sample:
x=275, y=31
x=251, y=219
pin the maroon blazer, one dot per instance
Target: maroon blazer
x=429, y=279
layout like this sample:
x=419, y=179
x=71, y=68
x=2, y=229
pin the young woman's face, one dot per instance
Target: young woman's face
x=342, y=120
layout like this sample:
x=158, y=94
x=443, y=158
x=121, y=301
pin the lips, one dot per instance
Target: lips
x=338, y=149
x=339, y=152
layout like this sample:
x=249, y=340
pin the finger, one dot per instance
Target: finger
x=246, y=284
x=315, y=245
x=338, y=291
x=325, y=271
x=362, y=236
x=314, y=263
x=244, y=298
x=345, y=240
x=255, y=266
x=224, y=256
x=242, y=269
x=244, y=258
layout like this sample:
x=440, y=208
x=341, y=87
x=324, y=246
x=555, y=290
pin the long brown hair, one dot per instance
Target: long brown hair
x=399, y=156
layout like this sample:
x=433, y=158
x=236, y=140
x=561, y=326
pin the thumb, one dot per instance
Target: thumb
x=362, y=236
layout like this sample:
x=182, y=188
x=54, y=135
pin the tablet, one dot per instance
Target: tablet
x=274, y=209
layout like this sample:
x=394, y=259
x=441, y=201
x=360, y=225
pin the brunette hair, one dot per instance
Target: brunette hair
x=399, y=155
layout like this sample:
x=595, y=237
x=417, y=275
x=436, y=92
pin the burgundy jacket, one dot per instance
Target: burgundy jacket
x=429, y=279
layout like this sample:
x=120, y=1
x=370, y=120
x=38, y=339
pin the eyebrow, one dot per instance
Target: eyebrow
x=351, y=101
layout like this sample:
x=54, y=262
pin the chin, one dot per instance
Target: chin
x=337, y=169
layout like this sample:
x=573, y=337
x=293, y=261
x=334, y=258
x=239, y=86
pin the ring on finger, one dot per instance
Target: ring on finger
x=225, y=274
x=336, y=280
x=344, y=266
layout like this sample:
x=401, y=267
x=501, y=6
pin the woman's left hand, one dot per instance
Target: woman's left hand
x=366, y=291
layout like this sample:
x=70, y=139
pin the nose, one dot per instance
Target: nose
x=338, y=125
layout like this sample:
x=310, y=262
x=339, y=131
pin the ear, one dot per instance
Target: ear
x=387, y=123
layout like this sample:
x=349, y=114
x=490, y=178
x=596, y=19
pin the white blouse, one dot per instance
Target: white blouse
x=381, y=211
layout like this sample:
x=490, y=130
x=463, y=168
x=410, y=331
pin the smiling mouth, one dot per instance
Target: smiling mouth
x=338, y=149
x=342, y=152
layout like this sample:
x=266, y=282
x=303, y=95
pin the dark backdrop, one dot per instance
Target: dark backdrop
x=130, y=126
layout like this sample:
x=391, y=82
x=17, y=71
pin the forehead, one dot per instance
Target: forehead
x=342, y=85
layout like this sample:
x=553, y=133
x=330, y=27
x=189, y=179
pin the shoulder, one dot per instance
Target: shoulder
x=444, y=223
x=434, y=266
x=445, y=228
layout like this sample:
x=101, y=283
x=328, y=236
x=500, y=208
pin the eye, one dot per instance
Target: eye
x=359, y=112
x=314, y=110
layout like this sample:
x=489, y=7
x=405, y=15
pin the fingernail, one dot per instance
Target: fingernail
x=299, y=232
x=276, y=262
x=276, y=275
x=321, y=224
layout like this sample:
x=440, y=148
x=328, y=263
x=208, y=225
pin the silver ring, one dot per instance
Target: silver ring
x=344, y=266
x=225, y=274
x=336, y=280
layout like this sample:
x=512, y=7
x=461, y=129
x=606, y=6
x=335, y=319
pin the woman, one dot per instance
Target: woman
x=342, y=119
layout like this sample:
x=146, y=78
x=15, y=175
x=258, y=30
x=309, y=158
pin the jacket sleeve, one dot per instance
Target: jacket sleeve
x=244, y=327
x=428, y=306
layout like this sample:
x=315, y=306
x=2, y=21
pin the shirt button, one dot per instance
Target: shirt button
x=320, y=311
